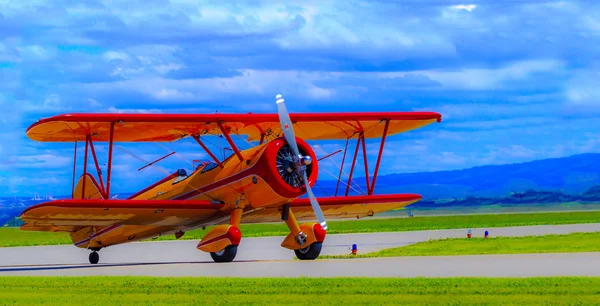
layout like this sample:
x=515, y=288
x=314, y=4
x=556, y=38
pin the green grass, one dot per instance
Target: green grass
x=298, y=291
x=11, y=237
x=575, y=242
x=16, y=237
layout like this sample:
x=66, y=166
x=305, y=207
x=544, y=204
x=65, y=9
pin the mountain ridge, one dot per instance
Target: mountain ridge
x=573, y=174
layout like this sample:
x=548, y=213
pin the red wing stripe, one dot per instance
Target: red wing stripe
x=139, y=204
x=247, y=119
x=226, y=181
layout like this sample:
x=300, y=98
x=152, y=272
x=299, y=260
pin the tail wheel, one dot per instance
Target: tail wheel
x=225, y=255
x=94, y=257
x=310, y=252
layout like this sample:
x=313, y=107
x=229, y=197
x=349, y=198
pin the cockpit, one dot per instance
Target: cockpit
x=181, y=175
x=203, y=167
x=207, y=166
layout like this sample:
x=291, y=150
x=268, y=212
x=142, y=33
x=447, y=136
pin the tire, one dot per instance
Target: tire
x=94, y=258
x=225, y=255
x=310, y=252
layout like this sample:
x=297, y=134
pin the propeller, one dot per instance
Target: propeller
x=300, y=161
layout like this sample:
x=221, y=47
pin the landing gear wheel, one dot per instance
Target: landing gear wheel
x=94, y=257
x=310, y=252
x=225, y=255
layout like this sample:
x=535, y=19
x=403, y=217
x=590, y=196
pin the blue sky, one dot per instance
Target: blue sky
x=514, y=80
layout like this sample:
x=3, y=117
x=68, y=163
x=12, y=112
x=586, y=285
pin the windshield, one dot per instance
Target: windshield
x=209, y=166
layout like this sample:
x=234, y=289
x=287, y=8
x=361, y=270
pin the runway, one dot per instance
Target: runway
x=263, y=257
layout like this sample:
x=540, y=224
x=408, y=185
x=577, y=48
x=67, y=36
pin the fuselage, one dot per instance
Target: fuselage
x=256, y=178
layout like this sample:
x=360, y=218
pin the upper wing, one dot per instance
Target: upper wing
x=65, y=214
x=171, y=127
x=336, y=207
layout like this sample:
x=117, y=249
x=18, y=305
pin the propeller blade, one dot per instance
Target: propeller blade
x=288, y=131
x=314, y=203
x=286, y=125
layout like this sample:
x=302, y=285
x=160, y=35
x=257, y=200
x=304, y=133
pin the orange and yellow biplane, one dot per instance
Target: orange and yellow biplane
x=261, y=184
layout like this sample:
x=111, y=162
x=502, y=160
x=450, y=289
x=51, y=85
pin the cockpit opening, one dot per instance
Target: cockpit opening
x=181, y=175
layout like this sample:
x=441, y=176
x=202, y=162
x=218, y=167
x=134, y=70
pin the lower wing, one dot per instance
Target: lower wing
x=69, y=215
x=335, y=207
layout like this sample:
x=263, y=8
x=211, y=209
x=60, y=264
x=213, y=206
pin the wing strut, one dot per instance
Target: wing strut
x=97, y=167
x=341, y=168
x=383, y=137
x=365, y=161
x=353, y=163
x=197, y=138
x=110, y=154
x=230, y=141
x=361, y=141
x=74, y=169
x=85, y=161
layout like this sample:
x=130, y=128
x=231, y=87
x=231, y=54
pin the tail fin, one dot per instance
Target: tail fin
x=92, y=190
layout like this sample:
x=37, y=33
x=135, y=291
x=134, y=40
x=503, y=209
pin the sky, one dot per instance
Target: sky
x=515, y=81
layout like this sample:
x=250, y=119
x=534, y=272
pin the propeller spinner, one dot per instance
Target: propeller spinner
x=300, y=161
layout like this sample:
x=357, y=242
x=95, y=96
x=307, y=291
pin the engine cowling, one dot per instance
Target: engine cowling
x=279, y=171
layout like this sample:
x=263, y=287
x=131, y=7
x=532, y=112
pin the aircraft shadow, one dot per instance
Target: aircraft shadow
x=17, y=268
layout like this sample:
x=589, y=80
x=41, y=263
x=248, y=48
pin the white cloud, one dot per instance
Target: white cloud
x=466, y=7
x=162, y=69
x=93, y=103
x=113, y=55
x=479, y=79
x=583, y=90
x=36, y=52
x=113, y=109
x=42, y=161
x=52, y=101
x=301, y=84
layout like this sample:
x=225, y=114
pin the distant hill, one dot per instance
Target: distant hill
x=571, y=175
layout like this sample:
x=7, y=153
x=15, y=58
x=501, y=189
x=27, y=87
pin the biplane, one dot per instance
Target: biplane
x=270, y=182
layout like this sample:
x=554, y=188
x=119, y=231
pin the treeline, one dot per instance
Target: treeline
x=14, y=222
x=526, y=197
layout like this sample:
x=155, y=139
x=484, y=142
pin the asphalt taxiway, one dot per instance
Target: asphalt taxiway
x=263, y=257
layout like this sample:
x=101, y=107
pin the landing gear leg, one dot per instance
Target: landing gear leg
x=306, y=252
x=229, y=252
x=290, y=220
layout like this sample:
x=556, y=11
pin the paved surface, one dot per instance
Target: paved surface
x=259, y=257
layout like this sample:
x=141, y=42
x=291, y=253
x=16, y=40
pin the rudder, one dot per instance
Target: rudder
x=92, y=189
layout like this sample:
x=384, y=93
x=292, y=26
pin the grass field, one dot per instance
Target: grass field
x=576, y=242
x=299, y=291
x=16, y=237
